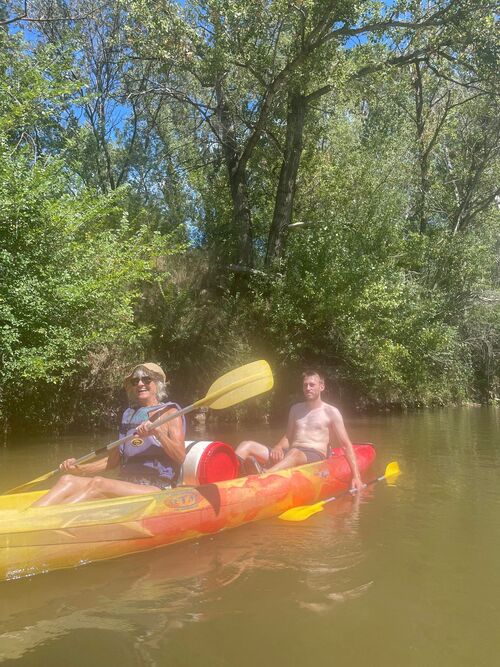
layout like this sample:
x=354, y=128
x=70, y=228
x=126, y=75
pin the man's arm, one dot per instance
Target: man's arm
x=277, y=453
x=338, y=428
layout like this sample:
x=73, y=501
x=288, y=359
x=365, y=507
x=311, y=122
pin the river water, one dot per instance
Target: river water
x=406, y=575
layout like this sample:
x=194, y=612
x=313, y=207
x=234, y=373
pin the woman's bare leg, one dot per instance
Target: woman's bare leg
x=66, y=487
x=102, y=487
x=71, y=489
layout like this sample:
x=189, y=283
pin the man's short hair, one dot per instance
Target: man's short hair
x=312, y=371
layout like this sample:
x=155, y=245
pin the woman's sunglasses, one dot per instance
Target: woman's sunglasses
x=143, y=378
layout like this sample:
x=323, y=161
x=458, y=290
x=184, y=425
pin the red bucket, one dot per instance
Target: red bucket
x=209, y=461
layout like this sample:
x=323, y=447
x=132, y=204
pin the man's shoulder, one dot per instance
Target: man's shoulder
x=294, y=411
x=331, y=410
x=298, y=410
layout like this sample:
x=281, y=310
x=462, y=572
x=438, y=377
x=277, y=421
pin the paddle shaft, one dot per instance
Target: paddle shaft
x=112, y=445
x=353, y=491
x=161, y=418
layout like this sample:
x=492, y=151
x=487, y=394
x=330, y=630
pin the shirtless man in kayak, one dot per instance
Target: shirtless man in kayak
x=312, y=426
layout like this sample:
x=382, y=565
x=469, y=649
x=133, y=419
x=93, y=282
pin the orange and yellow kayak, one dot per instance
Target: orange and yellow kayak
x=40, y=539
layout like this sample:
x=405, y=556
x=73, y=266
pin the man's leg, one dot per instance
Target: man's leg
x=294, y=457
x=251, y=448
x=252, y=456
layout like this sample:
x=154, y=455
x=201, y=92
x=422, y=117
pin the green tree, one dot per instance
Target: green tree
x=72, y=264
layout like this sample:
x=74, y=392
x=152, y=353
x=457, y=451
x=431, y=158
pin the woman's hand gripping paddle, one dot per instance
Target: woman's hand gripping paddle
x=305, y=511
x=232, y=388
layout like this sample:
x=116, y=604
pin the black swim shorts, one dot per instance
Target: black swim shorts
x=312, y=455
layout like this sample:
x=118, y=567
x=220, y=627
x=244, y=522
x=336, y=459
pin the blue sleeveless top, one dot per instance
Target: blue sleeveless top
x=143, y=460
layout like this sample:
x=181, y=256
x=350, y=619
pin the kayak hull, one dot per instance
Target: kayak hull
x=40, y=539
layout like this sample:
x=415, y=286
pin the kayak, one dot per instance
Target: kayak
x=35, y=540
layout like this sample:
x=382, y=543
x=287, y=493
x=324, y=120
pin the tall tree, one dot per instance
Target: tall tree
x=235, y=66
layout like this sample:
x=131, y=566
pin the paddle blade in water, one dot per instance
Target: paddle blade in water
x=392, y=469
x=239, y=385
x=302, y=513
x=391, y=472
x=305, y=511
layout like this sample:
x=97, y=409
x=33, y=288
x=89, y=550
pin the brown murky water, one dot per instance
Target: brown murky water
x=407, y=575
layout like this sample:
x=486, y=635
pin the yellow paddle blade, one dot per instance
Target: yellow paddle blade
x=391, y=472
x=305, y=511
x=302, y=513
x=18, y=501
x=392, y=469
x=27, y=485
x=239, y=385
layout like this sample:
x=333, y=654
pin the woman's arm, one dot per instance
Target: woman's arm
x=170, y=435
x=109, y=462
x=70, y=465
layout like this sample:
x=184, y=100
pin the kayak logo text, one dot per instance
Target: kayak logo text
x=182, y=500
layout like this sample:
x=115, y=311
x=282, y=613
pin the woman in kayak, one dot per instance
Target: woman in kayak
x=149, y=462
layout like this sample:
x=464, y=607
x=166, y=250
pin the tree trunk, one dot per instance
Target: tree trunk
x=242, y=219
x=238, y=184
x=283, y=208
x=423, y=157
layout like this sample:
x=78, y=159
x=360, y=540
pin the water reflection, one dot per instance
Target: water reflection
x=150, y=596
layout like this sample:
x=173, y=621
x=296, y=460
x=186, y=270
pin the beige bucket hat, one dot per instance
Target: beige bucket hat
x=154, y=369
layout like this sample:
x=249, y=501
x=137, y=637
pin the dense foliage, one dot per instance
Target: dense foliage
x=73, y=265
x=209, y=182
